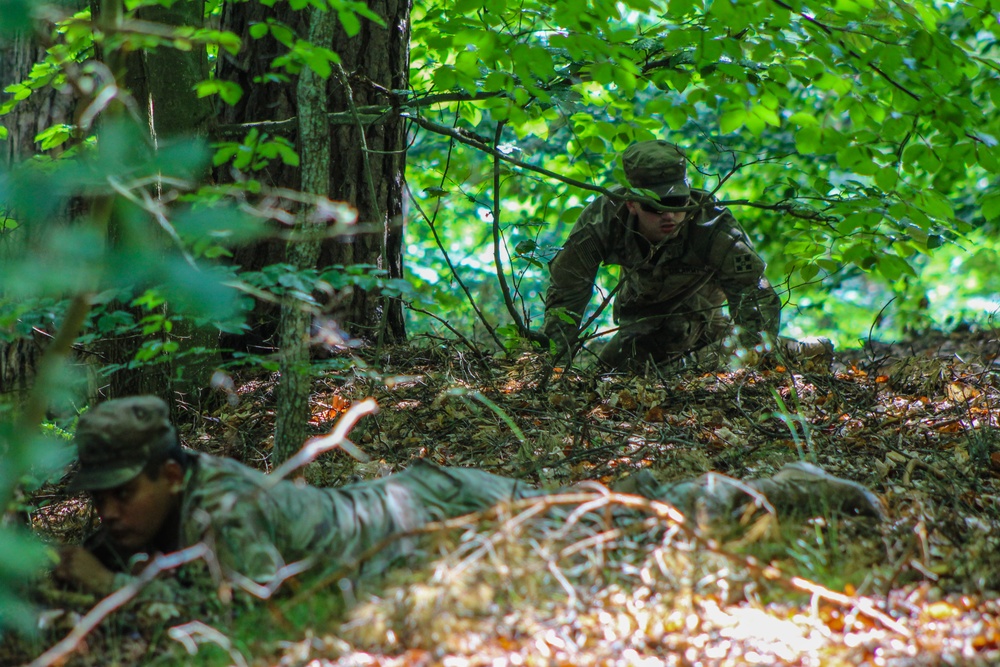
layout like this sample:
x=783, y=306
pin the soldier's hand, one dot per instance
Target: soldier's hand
x=79, y=567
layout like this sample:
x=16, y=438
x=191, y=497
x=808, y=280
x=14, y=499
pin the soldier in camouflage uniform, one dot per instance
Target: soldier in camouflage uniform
x=153, y=496
x=681, y=260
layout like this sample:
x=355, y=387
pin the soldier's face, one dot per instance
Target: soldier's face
x=657, y=226
x=134, y=512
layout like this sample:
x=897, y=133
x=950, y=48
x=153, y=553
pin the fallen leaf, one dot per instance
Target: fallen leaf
x=960, y=392
x=654, y=414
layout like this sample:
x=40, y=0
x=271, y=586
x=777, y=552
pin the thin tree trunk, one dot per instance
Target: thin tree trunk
x=295, y=385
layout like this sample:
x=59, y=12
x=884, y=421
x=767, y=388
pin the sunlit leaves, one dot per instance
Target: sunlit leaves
x=255, y=152
x=229, y=91
x=842, y=110
x=54, y=136
x=57, y=259
x=991, y=206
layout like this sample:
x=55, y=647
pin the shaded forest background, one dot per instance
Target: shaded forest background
x=196, y=195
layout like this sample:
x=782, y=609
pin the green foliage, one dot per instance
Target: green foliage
x=15, y=16
x=849, y=138
x=255, y=152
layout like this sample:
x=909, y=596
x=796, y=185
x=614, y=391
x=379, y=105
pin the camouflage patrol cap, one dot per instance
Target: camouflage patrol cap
x=116, y=439
x=659, y=166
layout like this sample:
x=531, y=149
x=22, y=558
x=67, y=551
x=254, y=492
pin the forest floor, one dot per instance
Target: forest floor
x=915, y=422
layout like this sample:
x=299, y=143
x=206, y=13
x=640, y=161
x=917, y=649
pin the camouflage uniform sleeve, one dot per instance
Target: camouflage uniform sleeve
x=572, y=272
x=256, y=531
x=753, y=304
x=189, y=589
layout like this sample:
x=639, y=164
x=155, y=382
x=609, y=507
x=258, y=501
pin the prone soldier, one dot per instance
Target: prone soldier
x=153, y=496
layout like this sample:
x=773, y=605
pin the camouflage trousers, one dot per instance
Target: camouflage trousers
x=675, y=341
x=699, y=330
x=369, y=512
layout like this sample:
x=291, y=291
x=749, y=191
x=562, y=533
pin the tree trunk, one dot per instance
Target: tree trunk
x=377, y=61
x=45, y=107
x=161, y=81
x=292, y=413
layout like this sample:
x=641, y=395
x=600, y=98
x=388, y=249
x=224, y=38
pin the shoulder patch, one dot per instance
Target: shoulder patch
x=744, y=263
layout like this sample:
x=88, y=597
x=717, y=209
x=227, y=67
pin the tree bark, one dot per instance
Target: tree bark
x=161, y=81
x=20, y=356
x=377, y=61
x=292, y=412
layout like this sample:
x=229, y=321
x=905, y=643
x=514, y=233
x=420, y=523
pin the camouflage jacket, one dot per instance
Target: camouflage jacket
x=255, y=526
x=711, y=261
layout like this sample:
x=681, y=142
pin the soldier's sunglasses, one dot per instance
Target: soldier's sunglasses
x=678, y=201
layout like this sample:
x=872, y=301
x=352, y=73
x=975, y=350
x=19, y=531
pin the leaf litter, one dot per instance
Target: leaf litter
x=624, y=583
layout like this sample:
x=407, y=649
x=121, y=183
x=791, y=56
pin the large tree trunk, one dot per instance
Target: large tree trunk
x=161, y=81
x=164, y=82
x=46, y=107
x=376, y=60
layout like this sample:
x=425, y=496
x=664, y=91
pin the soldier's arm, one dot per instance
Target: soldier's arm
x=754, y=306
x=573, y=271
x=79, y=567
x=756, y=309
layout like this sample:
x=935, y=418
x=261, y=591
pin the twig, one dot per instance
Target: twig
x=193, y=633
x=336, y=439
x=864, y=605
x=497, y=258
x=462, y=339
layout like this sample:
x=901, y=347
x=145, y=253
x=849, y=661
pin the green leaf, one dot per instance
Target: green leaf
x=807, y=140
x=803, y=119
x=54, y=136
x=808, y=271
x=765, y=114
x=755, y=123
x=732, y=120
x=893, y=267
x=935, y=204
x=990, y=205
x=287, y=153
x=988, y=159
x=886, y=178
x=229, y=91
x=471, y=114
x=363, y=9
x=348, y=19
x=569, y=215
x=258, y=30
